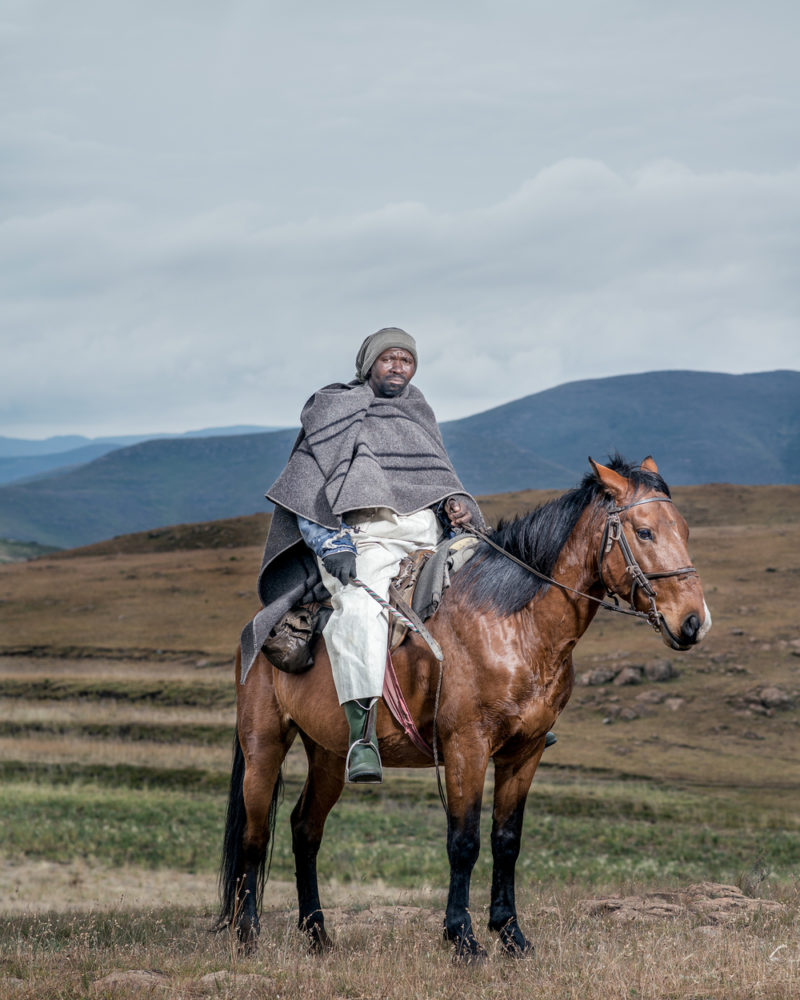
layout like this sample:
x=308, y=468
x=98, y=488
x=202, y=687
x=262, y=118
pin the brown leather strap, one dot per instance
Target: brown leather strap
x=397, y=705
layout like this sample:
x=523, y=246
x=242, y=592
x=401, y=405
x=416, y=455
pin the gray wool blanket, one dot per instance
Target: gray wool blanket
x=354, y=450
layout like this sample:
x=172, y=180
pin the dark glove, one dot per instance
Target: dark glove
x=342, y=565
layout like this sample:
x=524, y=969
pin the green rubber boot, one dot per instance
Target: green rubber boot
x=363, y=764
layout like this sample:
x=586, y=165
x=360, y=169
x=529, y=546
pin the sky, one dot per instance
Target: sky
x=205, y=206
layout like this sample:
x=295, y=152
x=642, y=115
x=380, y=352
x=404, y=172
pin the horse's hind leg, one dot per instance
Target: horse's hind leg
x=261, y=791
x=321, y=791
x=261, y=744
x=511, y=785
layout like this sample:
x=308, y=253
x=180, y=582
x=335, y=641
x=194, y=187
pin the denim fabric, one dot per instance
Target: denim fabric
x=324, y=541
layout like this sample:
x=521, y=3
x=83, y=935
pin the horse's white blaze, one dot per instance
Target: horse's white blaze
x=704, y=628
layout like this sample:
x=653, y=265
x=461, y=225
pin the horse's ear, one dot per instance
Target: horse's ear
x=649, y=465
x=617, y=485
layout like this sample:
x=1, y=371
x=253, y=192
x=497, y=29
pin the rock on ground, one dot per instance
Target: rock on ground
x=215, y=982
x=711, y=902
x=134, y=982
x=660, y=670
x=146, y=983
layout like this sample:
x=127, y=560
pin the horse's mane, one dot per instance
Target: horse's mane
x=490, y=581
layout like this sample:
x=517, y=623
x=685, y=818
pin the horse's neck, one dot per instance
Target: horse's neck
x=563, y=612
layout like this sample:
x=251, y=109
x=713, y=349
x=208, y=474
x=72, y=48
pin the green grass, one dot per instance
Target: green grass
x=671, y=838
x=14, y=551
x=137, y=777
x=152, y=732
x=145, y=827
x=102, y=929
x=197, y=694
x=641, y=833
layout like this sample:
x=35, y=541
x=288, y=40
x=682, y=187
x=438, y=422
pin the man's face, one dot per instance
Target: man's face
x=391, y=372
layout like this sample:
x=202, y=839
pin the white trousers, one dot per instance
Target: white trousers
x=357, y=632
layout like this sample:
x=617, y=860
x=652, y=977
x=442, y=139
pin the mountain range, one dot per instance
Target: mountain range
x=22, y=458
x=700, y=427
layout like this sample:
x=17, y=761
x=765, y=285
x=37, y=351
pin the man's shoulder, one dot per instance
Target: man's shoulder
x=336, y=387
x=332, y=391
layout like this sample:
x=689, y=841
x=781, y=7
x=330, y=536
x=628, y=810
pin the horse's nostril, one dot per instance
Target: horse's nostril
x=690, y=627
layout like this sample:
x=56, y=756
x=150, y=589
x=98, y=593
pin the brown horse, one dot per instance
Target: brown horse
x=507, y=637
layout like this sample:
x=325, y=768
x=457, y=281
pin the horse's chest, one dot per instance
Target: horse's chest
x=537, y=705
x=535, y=718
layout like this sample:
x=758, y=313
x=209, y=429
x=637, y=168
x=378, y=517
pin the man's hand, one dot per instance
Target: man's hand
x=342, y=565
x=457, y=512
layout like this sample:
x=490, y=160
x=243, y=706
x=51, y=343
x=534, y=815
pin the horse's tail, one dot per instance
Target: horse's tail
x=232, y=864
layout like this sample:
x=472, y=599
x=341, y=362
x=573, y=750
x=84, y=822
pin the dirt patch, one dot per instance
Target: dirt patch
x=711, y=902
x=146, y=983
x=134, y=982
x=40, y=886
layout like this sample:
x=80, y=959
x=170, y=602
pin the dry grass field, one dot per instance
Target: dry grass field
x=116, y=716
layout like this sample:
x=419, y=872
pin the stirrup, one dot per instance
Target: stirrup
x=372, y=773
x=374, y=777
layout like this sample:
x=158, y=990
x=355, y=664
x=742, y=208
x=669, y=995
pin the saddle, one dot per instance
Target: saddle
x=421, y=580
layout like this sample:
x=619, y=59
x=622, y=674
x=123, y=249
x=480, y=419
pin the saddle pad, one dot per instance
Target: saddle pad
x=434, y=578
x=405, y=583
x=425, y=575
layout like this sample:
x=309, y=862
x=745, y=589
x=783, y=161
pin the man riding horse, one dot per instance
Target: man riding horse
x=367, y=483
x=363, y=485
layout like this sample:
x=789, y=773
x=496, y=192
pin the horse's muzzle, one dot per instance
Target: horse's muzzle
x=692, y=630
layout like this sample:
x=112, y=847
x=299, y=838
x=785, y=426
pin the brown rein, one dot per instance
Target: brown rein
x=614, y=532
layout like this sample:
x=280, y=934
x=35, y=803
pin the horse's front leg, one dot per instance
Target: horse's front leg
x=512, y=781
x=465, y=771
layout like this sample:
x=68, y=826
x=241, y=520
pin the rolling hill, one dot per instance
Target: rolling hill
x=13, y=447
x=701, y=427
x=17, y=467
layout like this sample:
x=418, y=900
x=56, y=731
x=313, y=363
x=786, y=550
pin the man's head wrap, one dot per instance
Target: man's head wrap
x=377, y=343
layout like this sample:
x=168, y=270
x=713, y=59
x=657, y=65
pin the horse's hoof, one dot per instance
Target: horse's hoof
x=514, y=943
x=469, y=953
x=246, y=937
x=518, y=947
x=247, y=945
x=467, y=949
x=320, y=944
x=318, y=941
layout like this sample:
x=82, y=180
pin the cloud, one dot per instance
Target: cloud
x=205, y=208
x=221, y=316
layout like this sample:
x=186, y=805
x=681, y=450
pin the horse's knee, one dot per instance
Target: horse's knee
x=257, y=792
x=463, y=846
x=505, y=845
x=306, y=835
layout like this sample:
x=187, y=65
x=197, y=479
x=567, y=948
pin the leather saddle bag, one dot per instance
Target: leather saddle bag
x=288, y=646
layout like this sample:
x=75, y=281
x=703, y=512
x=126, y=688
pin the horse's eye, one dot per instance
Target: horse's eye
x=645, y=534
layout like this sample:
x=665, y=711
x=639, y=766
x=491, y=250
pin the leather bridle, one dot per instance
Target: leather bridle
x=614, y=533
x=640, y=581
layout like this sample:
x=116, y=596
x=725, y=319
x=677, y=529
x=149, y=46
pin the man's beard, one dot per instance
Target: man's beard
x=388, y=389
